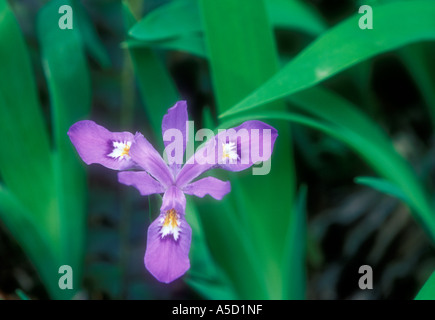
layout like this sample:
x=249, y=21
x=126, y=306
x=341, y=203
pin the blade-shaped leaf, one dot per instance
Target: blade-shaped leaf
x=35, y=243
x=295, y=251
x=384, y=186
x=242, y=55
x=427, y=292
x=25, y=166
x=344, y=46
x=68, y=81
x=177, y=25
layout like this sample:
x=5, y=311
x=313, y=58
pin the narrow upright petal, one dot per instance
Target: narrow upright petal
x=174, y=199
x=142, y=181
x=209, y=185
x=174, y=127
x=168, y=240
x=96, y=144
x=236, y=149
x=144, y=154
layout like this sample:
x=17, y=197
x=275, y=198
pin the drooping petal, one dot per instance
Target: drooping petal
x=144, y=154
x=209, y=185
x=174, y=127
x=96, y=144
x=168, y=240
x=235, y=149
x=142, y=181
x=166, y=258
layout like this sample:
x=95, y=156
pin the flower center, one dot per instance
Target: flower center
x=120, y=150
x=229, y=151
x=170, y=224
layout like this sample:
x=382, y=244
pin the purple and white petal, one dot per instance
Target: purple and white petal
x=235, y=149
x=167, y=258
x=169, y=238
x=144, y=154
x=142, y=181
x=96, y=144
x=209, y=185
x=174, y=127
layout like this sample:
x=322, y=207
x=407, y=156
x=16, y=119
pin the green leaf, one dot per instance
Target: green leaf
x=384, y=186
x=295, y=15
x=193, y=44
x=25, y=166
x=175, y=19
x=68, y=79
x=428, y=290
x=295, y=251
x=205, y=276
x=236, y=73
x=419, y=63
x=20, y=293
x=344, y=46
x=182, y=19
x=35, y=243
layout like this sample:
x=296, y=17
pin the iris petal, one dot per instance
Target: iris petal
x=96, y=144
x=169, y=238
x=209, y=185
x=166, y=258
x=142, y=181
x=254, y=141
x=144, y=154
x=176, y=120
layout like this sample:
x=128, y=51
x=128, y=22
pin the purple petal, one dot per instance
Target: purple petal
x=166, y=258
x=251, y=142
x=144, y=154
x=168, y=240
x=209, y=185
x=174, y=199
x=174, y=127
x=142, y=181
x=96, y=144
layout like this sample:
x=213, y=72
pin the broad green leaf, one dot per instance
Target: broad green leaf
x=295, y=15
x=181, y=18
x=168, y=21
x=295, y=251
x=344, y=46
x=25, y=165
x=234, y=74
x=68, y=81
x=427, y=292
x=383, y=186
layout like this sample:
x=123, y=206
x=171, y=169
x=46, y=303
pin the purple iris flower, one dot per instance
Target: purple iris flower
x=141, y=166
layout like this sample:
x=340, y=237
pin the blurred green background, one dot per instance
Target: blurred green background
x=352, y=175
